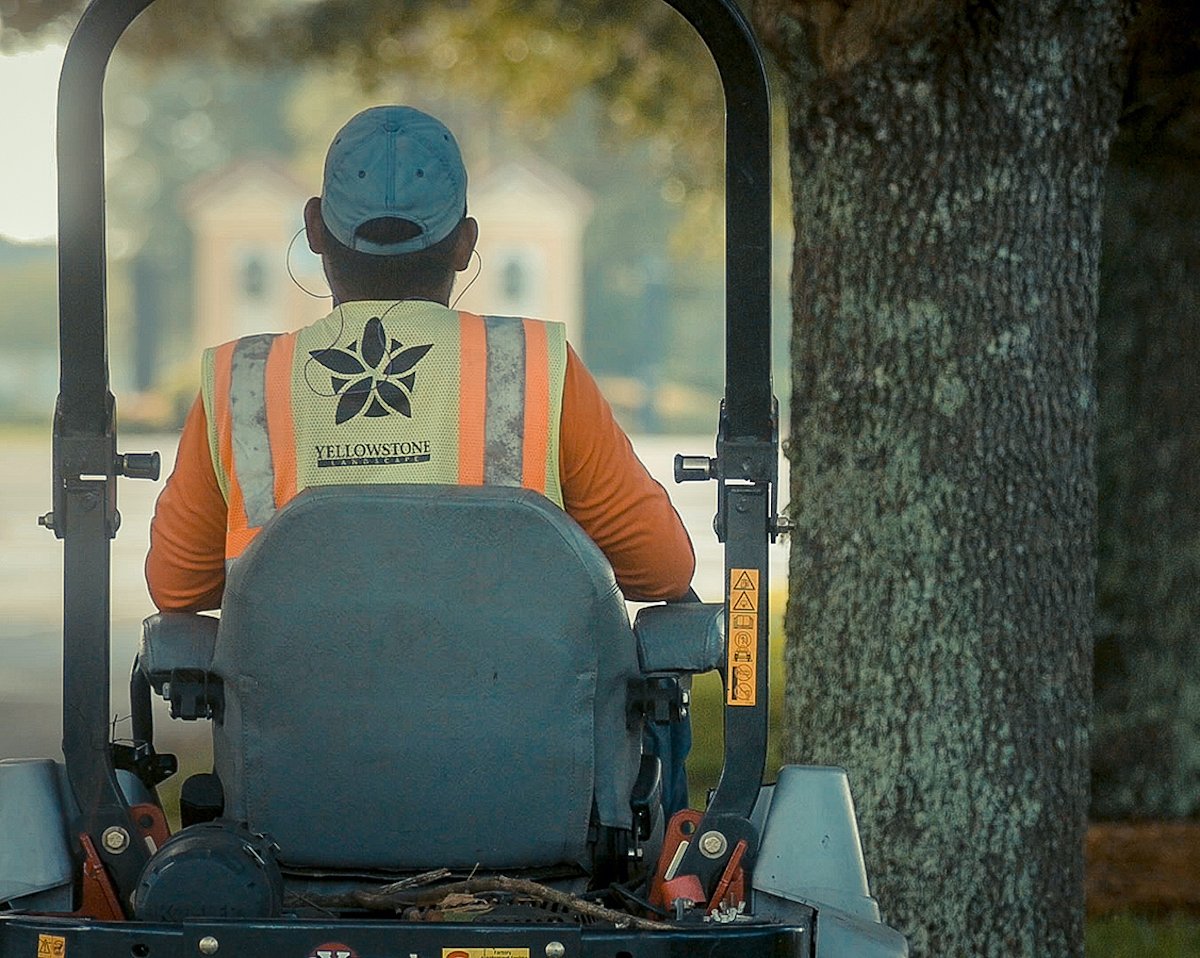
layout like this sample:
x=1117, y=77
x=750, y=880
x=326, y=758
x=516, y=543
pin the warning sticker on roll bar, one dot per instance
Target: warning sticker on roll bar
x=741, y=673
x=52, y=946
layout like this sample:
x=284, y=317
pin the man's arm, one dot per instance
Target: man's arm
x=185, y=569
x=608, y=491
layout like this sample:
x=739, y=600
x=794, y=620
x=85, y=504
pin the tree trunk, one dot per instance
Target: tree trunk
x=1146, y=748
x=947, y=184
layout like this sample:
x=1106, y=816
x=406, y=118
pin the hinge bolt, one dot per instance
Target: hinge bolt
x=208, y=945
x=713, y=844
x=555, y=949
x=115, y=839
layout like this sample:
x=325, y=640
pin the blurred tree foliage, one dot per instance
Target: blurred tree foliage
x=22, y=21
x=534, y=56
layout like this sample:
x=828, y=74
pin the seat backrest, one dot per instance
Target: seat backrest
x=423, y=676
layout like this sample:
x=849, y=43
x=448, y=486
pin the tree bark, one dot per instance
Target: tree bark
x=1146, y=749
x=947, y=174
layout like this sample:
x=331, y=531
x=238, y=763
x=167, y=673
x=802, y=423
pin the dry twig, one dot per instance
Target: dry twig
x=515, y=886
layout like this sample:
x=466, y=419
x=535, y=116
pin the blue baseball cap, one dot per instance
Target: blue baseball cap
x=393, y=161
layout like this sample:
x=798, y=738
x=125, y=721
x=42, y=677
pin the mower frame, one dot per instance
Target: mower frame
x=85, y=516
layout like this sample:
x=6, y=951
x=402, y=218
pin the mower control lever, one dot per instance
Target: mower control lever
x=694, y=468
x=139, y=465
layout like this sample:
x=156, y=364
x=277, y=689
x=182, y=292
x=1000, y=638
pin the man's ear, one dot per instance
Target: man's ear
x=464, y=244
x=314, y=226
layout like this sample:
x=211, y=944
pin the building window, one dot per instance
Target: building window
x=254, y=277
x=515, y=280
x=522, y=281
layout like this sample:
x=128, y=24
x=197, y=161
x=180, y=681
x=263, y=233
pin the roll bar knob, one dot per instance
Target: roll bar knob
x=694, y=468
x=139, y=465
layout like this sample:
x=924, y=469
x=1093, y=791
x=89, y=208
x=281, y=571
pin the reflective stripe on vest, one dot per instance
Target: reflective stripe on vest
x=282, y=417
x=248, y=414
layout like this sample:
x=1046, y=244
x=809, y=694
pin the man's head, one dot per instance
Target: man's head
x=391, y=222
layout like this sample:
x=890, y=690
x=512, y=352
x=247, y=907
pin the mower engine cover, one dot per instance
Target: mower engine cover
x=213, y=870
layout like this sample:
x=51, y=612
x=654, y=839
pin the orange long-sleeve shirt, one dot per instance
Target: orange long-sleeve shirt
x=606, y=489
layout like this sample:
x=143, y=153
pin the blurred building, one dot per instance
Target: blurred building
x=243, y=218
x=531, y=220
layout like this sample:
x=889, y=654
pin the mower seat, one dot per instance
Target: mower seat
x=422, y=676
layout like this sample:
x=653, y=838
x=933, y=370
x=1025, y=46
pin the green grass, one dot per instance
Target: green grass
x=1128, y=936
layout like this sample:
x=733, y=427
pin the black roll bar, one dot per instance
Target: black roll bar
x=85, y=457
x=86, y=463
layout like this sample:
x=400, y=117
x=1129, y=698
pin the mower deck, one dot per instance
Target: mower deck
x=46, y=937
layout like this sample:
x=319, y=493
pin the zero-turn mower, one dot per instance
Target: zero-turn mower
x=417, y=754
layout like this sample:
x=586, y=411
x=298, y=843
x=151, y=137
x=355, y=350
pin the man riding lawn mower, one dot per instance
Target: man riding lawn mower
x=426, y=701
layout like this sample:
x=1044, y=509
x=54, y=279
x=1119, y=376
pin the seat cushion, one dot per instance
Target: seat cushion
x=424, y=676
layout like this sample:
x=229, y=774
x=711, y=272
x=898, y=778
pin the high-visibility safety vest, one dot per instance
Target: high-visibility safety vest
x=383, y=392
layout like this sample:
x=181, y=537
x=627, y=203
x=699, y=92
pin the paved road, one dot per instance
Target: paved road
x=31, y=582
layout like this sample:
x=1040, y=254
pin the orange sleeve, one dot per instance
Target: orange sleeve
x=608, y=491
x=185, y=569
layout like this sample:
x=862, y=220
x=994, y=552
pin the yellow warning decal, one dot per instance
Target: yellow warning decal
x=741, y=673
x=485, y=953
x=52, y=946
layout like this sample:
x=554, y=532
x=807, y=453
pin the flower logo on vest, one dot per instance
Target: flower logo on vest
x=373, y=375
